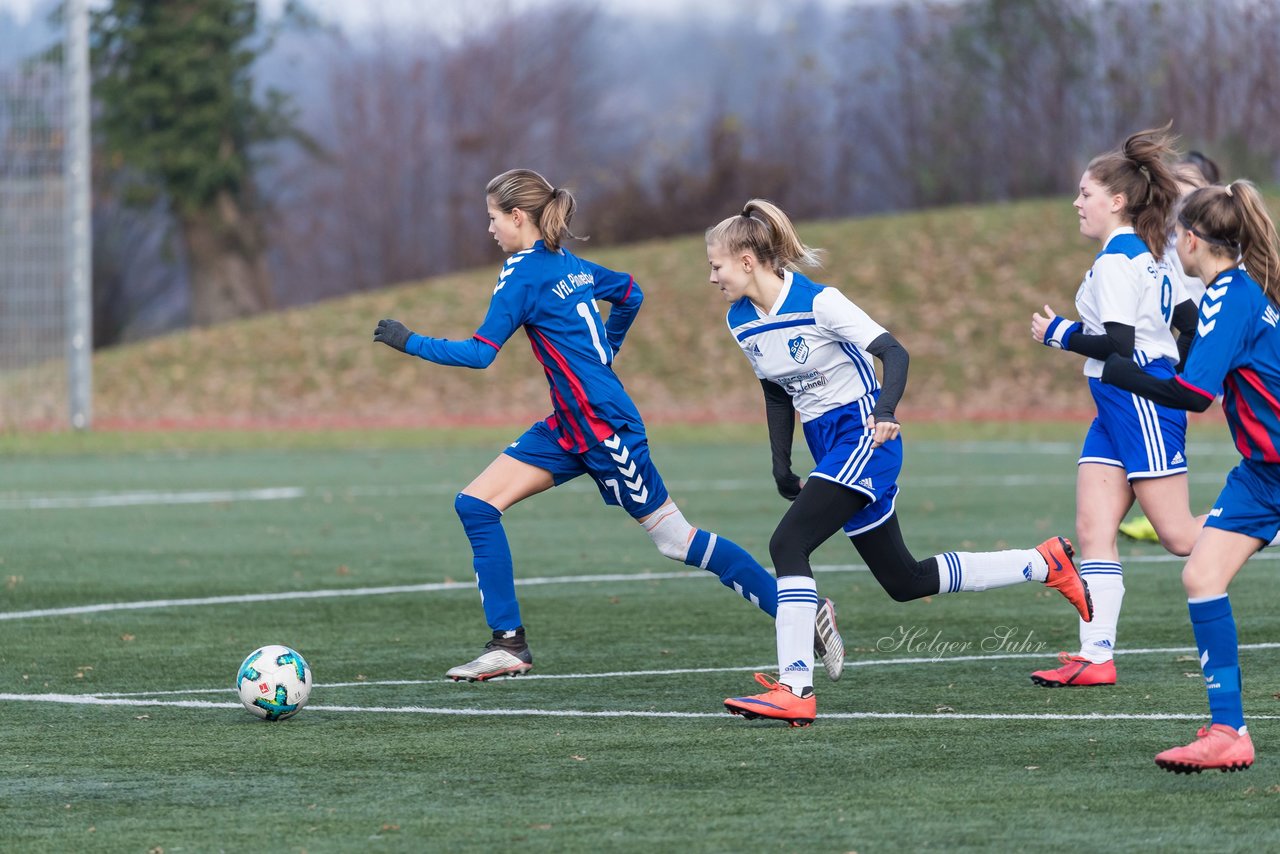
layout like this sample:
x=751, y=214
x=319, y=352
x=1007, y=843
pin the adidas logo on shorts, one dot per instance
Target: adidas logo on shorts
x=866, y=483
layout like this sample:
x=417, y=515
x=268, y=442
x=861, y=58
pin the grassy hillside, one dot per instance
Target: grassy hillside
x=957, y=286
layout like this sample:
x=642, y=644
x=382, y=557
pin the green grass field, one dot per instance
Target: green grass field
x=127, y=566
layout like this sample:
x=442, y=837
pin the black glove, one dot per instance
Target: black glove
x=788, y=485
x=393, y=333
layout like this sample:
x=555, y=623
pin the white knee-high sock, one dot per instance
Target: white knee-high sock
x=1106, y=587
x=981, y=570
x=797, y=608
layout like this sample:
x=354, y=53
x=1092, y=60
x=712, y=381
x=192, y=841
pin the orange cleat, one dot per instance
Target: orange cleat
x=777, y=703
x=1219, y=746
x=1076, y=672
x=1063, y=577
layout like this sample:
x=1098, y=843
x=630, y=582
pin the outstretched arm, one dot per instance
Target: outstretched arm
x=474, y=352
x=1173, y=392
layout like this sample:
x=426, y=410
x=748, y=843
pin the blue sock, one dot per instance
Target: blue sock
x=491, y=557
x=1215, y=630
x=736, y=569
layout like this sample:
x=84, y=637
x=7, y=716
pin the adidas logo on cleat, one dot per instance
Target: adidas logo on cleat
x=796, y=667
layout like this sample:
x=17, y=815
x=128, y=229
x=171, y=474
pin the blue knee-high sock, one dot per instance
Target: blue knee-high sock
x=491, y=557
x=1215, y=630
x=736, y=569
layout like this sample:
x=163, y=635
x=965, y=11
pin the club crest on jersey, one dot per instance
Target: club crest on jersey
x=799, y=349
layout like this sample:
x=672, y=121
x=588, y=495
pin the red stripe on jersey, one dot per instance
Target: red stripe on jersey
x=1191, y=387
x=631, y=281
x=571, y=439
x=578, y=442
x=487, y=341
x=599, y=428
x=1251, y=428
x=1255, y=382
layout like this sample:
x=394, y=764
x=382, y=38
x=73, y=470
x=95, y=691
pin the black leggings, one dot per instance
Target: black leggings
x=820, y=511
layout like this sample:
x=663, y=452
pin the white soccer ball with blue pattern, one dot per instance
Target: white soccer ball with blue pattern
x=274, y=682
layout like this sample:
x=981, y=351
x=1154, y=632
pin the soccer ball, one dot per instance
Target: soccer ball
x=274, y=682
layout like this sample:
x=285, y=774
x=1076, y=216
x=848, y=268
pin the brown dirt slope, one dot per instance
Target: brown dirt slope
x=957, y=286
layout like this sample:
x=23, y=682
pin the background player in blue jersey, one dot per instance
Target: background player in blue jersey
x=1134, y=447
x=1236, y=354
x=594, y=427
x=811, y=348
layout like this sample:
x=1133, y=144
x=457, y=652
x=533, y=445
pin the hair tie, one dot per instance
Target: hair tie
x=1228, y=189
x=1146, y=173
x=745, y=213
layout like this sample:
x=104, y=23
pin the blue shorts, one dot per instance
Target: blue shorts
x=1131, y=432
x=841, y=444
x=620, y=466
x=1249, y=503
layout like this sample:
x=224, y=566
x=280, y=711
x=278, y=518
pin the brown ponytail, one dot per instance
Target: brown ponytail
x=1233, y=221
x=550, y=208
x=765, y=230
x=1138, y=171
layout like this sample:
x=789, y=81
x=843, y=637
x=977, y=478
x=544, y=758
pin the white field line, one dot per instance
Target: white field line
x=433, y=587
x=681, y=671
x=79, y=700
x=100, y=500
x=137, y=499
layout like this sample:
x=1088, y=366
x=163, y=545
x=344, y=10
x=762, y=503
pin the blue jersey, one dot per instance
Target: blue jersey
x=552, y=295
x=1237, y=354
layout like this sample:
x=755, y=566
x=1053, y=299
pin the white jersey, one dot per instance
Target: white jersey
x=812, y=342
x=1126, y=284
x=1193, y=287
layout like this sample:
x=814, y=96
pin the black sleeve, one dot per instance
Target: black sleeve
x=780, y=415
x=1118, y=339
x=1125, y=373
x=895, y=360
x=1185, y=317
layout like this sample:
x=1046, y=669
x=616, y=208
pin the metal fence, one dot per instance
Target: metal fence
x=45, y=324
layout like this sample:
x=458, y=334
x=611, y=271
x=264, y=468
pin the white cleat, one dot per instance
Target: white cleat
x=494, y=663
x=827, y=642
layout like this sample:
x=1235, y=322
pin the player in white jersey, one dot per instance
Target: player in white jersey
x=812, y=348
x=1195, y=171
x=1134, y=447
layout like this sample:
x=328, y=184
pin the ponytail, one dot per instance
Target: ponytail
x=550, y=208
x=1138, y=171
x=1233, y=221
x=765, y=230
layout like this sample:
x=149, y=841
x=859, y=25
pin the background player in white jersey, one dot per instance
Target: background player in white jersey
x=1237, y=355
x=1134, y=447
x=811, y=347
x=1193, y=172
x=594, y=428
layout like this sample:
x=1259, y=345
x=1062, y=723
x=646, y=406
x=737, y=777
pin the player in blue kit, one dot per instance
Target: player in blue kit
x=811, y=348
x=1236, y=354
x=1134, y=448
x=594, y=427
